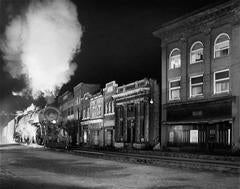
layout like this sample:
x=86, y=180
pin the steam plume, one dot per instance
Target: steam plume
x=41, y=44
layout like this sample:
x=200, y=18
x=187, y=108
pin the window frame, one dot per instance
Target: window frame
x=194, y=51
x=221, y=34
x=174, y=88
x=191, y=85
x=170, y=57
x=214, y=81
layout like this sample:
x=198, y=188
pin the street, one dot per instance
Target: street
x=25, y=167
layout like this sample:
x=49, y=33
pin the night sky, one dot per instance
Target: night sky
x=117, y=42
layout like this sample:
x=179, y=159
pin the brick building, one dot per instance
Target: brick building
x=95, y=123
x=137, y=114
x=109, y=113
x=200, y=79
x=79, y=91
x=85, y=132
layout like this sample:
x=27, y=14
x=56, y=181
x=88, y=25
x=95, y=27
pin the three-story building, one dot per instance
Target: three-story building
x=200, y=79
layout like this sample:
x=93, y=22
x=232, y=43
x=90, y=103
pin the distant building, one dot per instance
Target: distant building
x=65, y=102
x=200, y=79
x=85, y=132
x=95, y=123
x=137, y=114
x=66, y=105
x=79, y=91
x=109, y=113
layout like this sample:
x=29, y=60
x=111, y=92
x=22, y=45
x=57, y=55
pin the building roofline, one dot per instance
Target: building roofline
x=206, y=10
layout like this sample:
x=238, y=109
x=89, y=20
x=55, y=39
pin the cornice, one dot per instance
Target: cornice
x=202, y=21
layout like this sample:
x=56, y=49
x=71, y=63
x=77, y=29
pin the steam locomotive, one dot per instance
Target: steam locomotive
x=43, y=127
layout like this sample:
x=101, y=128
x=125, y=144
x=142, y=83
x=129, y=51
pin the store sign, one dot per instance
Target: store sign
x=193, y=136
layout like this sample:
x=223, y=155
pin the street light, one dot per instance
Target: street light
x=151, y=101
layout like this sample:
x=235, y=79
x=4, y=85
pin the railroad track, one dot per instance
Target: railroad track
x=166, y=161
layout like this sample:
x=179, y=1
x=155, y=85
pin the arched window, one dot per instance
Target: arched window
x=175, y=59
x=221, y=45
x=196, y=52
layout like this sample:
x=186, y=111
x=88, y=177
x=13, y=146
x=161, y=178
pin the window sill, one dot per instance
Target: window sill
x=192, y=63
x=225, y=56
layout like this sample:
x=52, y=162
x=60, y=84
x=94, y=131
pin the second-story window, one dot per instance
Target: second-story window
x=175, y=59
x=196, y=52
x=174, y=89
x=196, y=85
x=84, y=116
x=221, y=81
x=221, y=45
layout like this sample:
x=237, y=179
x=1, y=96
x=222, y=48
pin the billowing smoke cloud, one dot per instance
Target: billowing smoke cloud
x=41, y=44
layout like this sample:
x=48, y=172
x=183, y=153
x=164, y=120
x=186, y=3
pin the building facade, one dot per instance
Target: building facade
x=66, y=105
x=109, y=113
x=200, y=79
x=85, y=132
x=137, y=114
x=79, y=91
x=95, y=123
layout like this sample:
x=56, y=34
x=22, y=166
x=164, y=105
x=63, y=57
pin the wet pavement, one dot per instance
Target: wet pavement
x=24, y=167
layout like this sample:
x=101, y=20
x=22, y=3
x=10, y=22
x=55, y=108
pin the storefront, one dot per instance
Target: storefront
x=109, y=131
x=204, y=126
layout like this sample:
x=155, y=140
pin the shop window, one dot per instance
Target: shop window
x=85, y=136
x=221, y=81
x=121, y=129
x=196, y=52
x=174, y=90
x=196, y=85
x=221, y=45
x=175, y=59
x=193, y=136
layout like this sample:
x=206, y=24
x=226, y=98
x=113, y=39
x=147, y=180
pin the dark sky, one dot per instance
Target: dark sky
x=117, y=43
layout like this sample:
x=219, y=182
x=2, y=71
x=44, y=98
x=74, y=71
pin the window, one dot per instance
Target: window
x=221, y=45
x=221, y=81
x=196, y=85
x=174, y=90
x=175, y=59
x=84, y=114
x=109, y=107
x=106, y=108
x=112, y=107
x=196, y=52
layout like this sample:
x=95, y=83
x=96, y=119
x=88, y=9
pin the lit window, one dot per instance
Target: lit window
x=84, y=115
x=221, y=45
x=221, y=81
x=196, y=52
x=174, y=90
x=175, y=59
x=196, y=85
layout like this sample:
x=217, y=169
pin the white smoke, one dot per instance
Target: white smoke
x=41, y=44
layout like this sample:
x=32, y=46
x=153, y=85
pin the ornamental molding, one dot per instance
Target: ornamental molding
x=228, y=13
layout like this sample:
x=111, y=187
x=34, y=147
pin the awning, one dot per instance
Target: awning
x=196, y=122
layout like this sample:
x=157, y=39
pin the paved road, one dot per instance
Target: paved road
x=33, y=168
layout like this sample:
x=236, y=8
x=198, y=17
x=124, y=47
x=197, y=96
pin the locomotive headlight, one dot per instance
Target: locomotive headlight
x=54, y=121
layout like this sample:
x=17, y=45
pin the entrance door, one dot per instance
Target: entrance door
x=130, y=131
x=211, y=137
x=109, y=139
